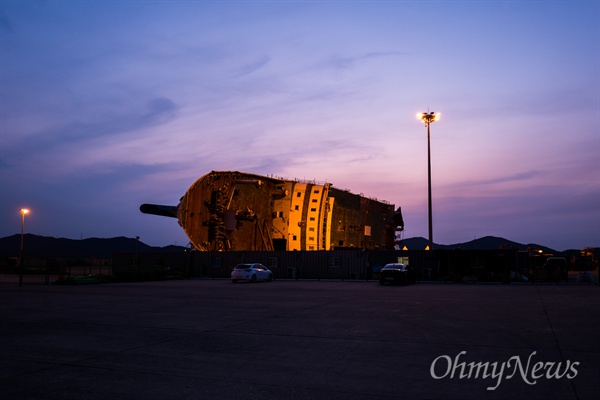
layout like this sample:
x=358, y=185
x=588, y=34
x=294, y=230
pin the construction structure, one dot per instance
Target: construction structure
x=237, y=211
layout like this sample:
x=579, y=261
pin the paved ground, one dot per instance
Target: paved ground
x=204, y=339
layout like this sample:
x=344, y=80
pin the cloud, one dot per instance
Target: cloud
x=541, y=214
x=340, y=62
x=160, y=111
x=93, y=146
x=252, y=67
x=113, y=122
x=518, y=177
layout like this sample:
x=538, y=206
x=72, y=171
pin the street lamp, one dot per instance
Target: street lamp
x=23, y=212
x=428, y=118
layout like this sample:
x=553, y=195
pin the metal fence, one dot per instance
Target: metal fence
x=46, y=270
x=362, y=264
x=503, y=265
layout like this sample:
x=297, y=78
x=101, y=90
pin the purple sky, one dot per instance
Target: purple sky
x=105, y=105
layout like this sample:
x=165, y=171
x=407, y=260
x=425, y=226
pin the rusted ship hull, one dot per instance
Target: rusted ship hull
x=230, y=210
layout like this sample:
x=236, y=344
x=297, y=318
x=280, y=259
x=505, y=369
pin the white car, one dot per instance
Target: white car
x=251, y=272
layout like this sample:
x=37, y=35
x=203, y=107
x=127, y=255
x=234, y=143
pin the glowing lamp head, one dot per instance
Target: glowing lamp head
x=24, y=211
x=428, y=117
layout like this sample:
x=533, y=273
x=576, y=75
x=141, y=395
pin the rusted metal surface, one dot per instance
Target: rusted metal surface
x=237, y=211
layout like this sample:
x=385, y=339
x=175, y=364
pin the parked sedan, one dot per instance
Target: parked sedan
x=396, y=273
x=251, y=272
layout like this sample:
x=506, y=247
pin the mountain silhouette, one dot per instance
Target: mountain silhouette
x=483, y=243
x=45, y=246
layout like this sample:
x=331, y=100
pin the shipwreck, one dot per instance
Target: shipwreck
x=238, y=211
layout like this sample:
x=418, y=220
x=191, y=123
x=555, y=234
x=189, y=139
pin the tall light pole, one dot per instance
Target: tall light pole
x=428, y=118
x=23, y=212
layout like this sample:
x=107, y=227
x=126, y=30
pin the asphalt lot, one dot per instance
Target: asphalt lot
x=211, y=339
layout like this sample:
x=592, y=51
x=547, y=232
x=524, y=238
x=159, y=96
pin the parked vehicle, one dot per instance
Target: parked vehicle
x=251, y=272
x=396, y=273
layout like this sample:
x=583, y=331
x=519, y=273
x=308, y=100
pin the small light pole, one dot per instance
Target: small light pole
x=428, y=118
x=23, y=212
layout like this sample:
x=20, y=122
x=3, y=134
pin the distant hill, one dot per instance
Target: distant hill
x=483, y=243
x=45, y=246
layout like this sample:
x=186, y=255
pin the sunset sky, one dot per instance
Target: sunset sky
x=105, y=105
